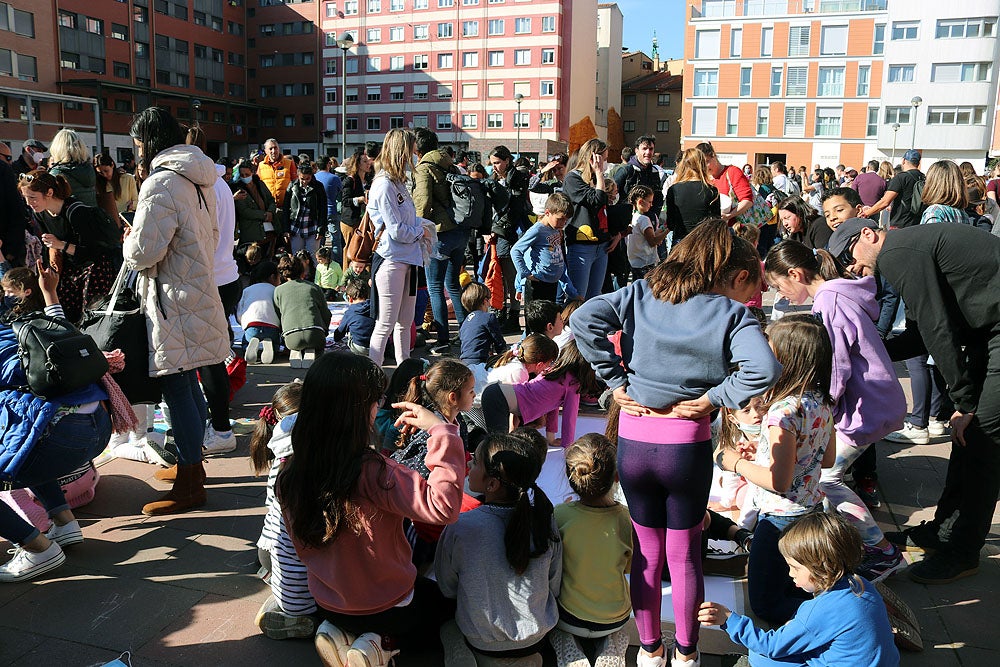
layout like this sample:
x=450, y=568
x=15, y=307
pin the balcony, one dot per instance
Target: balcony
x=737, y=8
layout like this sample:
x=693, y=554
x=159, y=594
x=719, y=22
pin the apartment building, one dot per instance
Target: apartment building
x=652, y=98
x=840, y=81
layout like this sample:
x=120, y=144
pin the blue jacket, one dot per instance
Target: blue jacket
x=392, y=211
x=358, y=322
x=539, y=253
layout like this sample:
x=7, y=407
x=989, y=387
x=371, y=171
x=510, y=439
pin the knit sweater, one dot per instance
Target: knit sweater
x=301, y=305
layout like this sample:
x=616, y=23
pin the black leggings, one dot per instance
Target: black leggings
x=496, y=410
x=214, y=378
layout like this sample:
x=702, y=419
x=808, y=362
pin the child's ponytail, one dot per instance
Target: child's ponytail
x=535, y=348
x=285, y=402
x=789, y=255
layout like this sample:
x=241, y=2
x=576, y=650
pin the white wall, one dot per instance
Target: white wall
x=609, y=62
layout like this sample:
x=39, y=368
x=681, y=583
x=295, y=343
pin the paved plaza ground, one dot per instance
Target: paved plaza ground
x=181, y=591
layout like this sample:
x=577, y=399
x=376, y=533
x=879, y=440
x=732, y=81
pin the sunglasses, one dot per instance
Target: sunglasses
x=7, y=157
x=26, y=178
x=847, y=256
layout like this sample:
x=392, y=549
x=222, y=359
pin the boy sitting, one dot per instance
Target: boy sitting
x=357, y=325
x=480, y=332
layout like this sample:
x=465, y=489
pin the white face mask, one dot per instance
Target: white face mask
x=613, y=200
x=38, y=156
x=749, y=430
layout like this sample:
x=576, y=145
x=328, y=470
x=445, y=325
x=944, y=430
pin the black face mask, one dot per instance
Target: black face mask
x=10, y=302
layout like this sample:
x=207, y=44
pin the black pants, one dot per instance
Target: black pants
x=496, y=410
x=214, y=378
x=542, y=290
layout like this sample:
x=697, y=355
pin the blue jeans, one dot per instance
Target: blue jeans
x=587, y=265
x=272, y=334
x=928, y=397
x=772, y=593
x=188, y=412
x=63, y=447
x=443, y=274
x=336, y=239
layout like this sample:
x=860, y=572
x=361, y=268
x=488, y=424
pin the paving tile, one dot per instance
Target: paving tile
x=57, y=652
x=16, y=643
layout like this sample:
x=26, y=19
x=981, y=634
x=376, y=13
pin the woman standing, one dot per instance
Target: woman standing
x=256, y=212
x=509, y=185
x=944, y=194
x=398, y=256
x=171, y=243
x=69, y=157
x=353, y=197
x=121, y=184
x=588, y=235
x=692, y=197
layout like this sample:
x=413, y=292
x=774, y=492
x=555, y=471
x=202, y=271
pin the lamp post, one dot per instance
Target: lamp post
x=916, y=102
x=345, y=41
x=895, y=129
x=517, y=122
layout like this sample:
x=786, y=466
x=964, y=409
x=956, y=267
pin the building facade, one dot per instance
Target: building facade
x=652, y=98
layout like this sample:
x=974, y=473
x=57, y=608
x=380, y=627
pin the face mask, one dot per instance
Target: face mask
x=38, y=157
x=246, y=179
x=749, y=430
x=10, y=302
x=613, y=200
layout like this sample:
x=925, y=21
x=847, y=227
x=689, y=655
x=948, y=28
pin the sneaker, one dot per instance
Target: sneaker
x=895, y=606
x=440, y=350
x=117, y=439
x=276, y=624
x=938, y=427
x=943, y=567
x=923, y=537
x=27, y=565
x=643, y=659
x=678, y=662
x=267, y=352
x=332, y=644
x=157, y=453
x=133, y=450
x=250, y=354
x=66, y=534
x=568, y=651
x=867, y=490
x=367, y=651
x=308, y=357
x=218, y=442
x=909, y=435
x=590, y=400
x=877, y=565
x=295, y=359
x=611, y=650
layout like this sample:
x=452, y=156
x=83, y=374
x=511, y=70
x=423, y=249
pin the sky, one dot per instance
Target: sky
x=642, y=17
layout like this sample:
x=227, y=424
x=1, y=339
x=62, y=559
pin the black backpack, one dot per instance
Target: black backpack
x=94, y=225
x=469, y=201
x=916, y=197
x=57, y=358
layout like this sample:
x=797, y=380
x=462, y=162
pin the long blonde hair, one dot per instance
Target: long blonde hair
x=583, y=157
x=397, y=148
x=68, y=147
x=885, y=170
x=692, y=167
x=945, y=185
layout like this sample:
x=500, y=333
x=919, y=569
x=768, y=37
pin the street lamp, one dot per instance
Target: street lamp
x=916, y=102
x=517, y=122
x=345, y=41
x=895, y=129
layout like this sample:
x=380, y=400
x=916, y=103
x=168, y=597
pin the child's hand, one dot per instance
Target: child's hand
x=712, y=613
x=729, y=459
x=48, y=278
x=416, y=417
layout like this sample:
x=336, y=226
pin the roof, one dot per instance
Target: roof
x=655, y=82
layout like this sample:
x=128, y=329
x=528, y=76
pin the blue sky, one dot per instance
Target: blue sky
x=642, y=17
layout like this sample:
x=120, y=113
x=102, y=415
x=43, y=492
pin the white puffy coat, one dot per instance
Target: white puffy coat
x=172, y=244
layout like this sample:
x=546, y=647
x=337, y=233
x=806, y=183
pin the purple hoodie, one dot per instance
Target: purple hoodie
x=868, y=400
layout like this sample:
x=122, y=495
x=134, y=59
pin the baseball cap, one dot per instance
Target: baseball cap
x=35, y=143
x=912, y=156
x=846, y=234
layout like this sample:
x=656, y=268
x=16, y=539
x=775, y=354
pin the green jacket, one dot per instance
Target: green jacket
x=250, y=217
x=82, y=179
x=431, y=190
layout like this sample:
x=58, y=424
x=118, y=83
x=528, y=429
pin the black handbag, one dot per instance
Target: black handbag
x=57, y=358
x=117, y=322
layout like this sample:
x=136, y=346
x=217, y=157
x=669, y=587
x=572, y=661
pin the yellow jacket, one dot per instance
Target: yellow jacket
x=277, y=177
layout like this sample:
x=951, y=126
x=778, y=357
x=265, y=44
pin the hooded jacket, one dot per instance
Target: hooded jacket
x=280, y=445
x=868, y=400
x=82, y=179
x=431, y=190
x=172, y=244
x=633, y=174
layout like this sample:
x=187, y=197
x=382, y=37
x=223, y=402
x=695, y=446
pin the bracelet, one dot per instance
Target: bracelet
x=736, y=466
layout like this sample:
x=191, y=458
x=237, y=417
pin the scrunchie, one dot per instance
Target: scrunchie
x=269, y=416
x=423, y=378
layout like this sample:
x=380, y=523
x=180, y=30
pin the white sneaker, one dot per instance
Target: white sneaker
x=250, y=354
x=332, y=644
x=267, y=352
x=367, y=651
x=643, y=659
x=217, y=442
x=156, y=452
x=117, y=439
x=27, y=565
x=133, y=450
x=938, y=427
x=295, y=359
x=65, y=535
x=909, y=435
x=308, y=357
x=678, y=662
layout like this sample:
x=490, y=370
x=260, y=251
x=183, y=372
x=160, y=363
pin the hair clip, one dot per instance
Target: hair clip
x=815, y=254
x=423, y=378
x=268, y=414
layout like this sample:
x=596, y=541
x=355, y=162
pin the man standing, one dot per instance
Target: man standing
x=12, y=224
x=462, y=163
x=277, y=171
x=900, y=191
x=32, y=153
x=433, y=201
x=332, y=187
x=869, y=185
x=640, y=170
x=949, y=278
x=306, y=205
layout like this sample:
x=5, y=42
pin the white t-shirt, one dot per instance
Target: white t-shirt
x=640, y=253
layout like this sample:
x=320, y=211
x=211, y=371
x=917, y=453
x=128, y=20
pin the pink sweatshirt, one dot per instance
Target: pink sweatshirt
x=540, y=396
x=371, y=572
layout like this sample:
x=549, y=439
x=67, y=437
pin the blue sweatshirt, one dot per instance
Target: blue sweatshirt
x=836, y=628
x=358, y=322
x=539, y=253
x=481, y=337
x=676, y=352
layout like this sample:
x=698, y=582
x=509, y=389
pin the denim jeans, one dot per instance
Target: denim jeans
x=772, y=593
x=587, y=265
x=63, y=447
x=272, y=334
x=336, y=239
x=188, y=412
x=928, y=397
x=308, y=243
x=442, y=274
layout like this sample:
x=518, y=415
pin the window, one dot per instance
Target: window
x=331, y=66
x=871, y=126
x=469, y=121
x=775, y=82
x=421, y=120
x=494, y=89
x=420, y=32
x=420, y=91
x=745, y=78
x=495, y=27
x=864, y=75
x=123, y=106
x=762, y=116
x=396, y=5
x=628, y=126
x=420, y=62
x=374, y=123
x=706, y=44
x=470, y=91
x=495, y=58
x=522, y=88
x=522, y=56
x=141, y=50
x=396, y=122
x=122, y=70
x=706, y=82
x=521, y=120
x=828, y=121
x=548, y=24
x=374, y=94
x=444, y=91
x=289, y=89
x=663, y=99
x=628, y=100
x=470, y=59
x=351, y=95
x=956, y=115
x=94, y=26
x=446, y=60
x=961, y=72
x=904, y=30
x=703, y=121
x=420, y=4
x=374, y=6
x=546, y=88
x=331, y=96
x=351, y=124
x=470, y=2
x=445, y=30
x=66, y=20
x=446, y=3
x=736, y=42
x=901, y=115
x=548, y=56
x=831, y=82
x=119, y=31
x=374, y=35
x=395, y=63
x=396, y=93
x=396, y=34
x=470, y=28
x=766, y=42
x=732, y=120
x=795, y=121
x=522, y=26
x=797, y=81
x=547, y=121
x=331, y=10
x=960, y=28
x=833, y=40
x=374, y=64
x=798, y=40
x=494, y=120
x=901, y=73
x=350, y=7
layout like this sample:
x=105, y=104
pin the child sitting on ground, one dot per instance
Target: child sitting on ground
x=538, y=255
x=356, y=269
x=328, y=273
x=596, y=531
x=845, y=622
x=543, y=316
x=357, y=325
x=308, y=265
x=480, y=332
x=386, y=433
x=255, y=311
x=305, y=317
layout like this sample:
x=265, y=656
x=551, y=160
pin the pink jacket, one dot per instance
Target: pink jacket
x=540, y=396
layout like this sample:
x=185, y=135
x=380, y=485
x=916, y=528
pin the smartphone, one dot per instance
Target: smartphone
x=127, y=217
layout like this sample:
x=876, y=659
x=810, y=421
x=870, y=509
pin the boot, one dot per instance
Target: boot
x=188, y=492
x=170, y=474
x=511, y=322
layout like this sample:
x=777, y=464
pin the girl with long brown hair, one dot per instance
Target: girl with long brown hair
x=692, y=198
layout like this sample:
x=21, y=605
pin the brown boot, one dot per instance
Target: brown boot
x=188, y=492
x=170, y=474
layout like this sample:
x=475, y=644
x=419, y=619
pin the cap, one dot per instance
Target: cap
x=845, y=233
x=912, y=156
x=34, y=143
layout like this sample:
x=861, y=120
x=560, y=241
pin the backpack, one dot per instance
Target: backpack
x=98, y=229
x=469, y=201
x=916, y=197
x=57, y=358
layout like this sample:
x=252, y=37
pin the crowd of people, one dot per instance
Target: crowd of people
x=407, y=505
